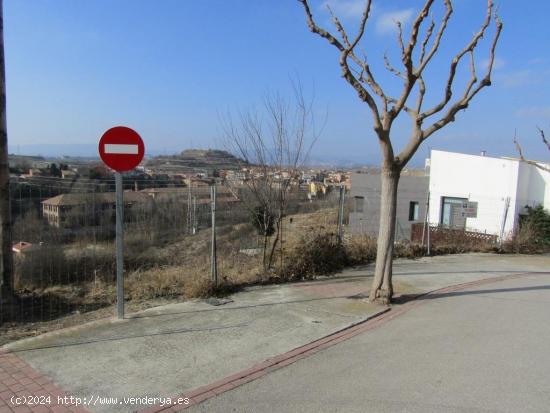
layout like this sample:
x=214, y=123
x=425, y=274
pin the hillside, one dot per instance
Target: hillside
x=196, y=159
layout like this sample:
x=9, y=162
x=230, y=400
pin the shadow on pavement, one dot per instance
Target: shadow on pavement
x=432, y=296
x=130, y=336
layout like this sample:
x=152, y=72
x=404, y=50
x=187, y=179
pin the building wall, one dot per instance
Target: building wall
x=534, y=187
x=488, y=181
x=411, y=189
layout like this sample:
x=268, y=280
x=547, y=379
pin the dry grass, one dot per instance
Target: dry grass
x=525, y=241
x=317, y=253
x=361, y=249
x=80, y=278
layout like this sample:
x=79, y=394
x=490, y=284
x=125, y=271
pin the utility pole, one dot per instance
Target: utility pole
x=213, y=258
x=6, y=261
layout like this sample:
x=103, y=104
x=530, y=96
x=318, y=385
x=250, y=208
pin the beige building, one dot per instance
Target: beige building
x=67, y=210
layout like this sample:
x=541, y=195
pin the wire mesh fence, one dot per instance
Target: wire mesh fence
x=64, y=242
x=64, y=238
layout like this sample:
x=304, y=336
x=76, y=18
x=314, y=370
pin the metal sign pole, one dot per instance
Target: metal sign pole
x=121, y=149
x=119, y=246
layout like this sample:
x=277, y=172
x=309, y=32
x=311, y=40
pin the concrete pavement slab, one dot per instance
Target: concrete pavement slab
x=170, y=350
x=482, y=349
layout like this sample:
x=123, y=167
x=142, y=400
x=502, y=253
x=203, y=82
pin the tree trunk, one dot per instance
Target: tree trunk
x=382, y=289
x=278, y=233
x=264, y=261
x=6, y=261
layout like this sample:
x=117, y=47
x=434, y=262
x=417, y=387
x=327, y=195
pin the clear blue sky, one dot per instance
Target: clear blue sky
x=168, y=67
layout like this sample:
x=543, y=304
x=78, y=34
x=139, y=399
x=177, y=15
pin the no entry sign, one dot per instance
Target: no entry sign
x=121, y=148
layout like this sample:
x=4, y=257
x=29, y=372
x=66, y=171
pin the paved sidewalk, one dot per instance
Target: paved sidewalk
x=480, y=349
x=172, y=350
x=23, y=389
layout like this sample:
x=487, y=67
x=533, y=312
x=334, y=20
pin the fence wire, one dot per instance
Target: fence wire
x=64, y=239
x=64, y=242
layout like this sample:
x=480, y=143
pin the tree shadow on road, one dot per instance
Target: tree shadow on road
x=402, y=299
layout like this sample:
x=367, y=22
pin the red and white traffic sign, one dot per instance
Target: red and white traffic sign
x=121, y=148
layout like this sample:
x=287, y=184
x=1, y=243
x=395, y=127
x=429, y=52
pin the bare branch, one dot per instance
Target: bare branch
x=339, y=27
x=421, y=94
x=444, y=21
x=536, y=164
x=407, y=59
x=472, y=88
x=391, y=68
x=346, y=51
x=407, y=56
x=400, y=38
x=543, y=137
x=427, y=38
x=456, y=60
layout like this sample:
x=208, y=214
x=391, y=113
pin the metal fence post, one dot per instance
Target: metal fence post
x=341, y=213
x=428, y=235
x=119, y=245
x=195, y=225
x=426, y=219
x=503, y=223
x=213, y=258
x=189, y=211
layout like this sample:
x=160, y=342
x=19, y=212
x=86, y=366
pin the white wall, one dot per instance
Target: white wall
x=534, y=187
x=488, y=181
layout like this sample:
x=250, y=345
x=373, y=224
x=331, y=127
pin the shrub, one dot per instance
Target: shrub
x=409, y=250
x=361, y=249
x=202, y=287
x=263, y=220
x=533, y=234
x=538, y=220
x=316, y=254
x=167, y=282
x=41, y=268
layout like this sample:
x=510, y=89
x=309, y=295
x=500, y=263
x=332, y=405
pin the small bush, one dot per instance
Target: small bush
x=409, y=250
x=537, y=221
x=263, y=220
x=202, y=287
x=361, y=249
x=533, y=234
x=41, y=268
x=317, y=254
x=154, y=283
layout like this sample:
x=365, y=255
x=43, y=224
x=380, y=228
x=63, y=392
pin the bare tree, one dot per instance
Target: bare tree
x=539, y=165
x=416, y=52
x=275, y=144
x=6, y=262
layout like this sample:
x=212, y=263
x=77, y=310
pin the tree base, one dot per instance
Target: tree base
x=381, y=296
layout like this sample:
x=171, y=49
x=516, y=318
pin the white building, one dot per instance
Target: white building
x=501, y=187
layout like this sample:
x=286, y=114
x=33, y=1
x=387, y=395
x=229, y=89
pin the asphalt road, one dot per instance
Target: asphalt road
x=486, y=349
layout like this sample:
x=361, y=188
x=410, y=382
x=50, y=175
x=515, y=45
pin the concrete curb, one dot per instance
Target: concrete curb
x=18, y=378
x=261, y=369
